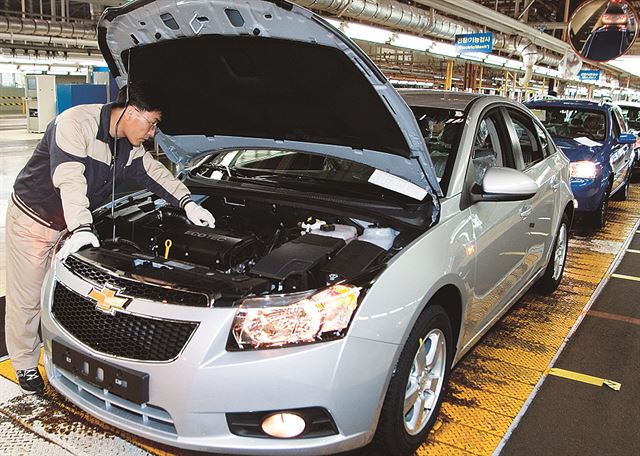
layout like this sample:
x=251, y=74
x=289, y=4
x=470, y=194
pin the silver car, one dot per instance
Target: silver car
x=365, y=239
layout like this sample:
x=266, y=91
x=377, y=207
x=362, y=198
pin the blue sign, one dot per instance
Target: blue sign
x=589, y=75
x=474, y=42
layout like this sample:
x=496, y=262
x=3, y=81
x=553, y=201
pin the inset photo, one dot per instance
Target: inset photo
x=602, y=30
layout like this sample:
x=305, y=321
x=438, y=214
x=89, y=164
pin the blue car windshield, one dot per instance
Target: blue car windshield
x=573, y=123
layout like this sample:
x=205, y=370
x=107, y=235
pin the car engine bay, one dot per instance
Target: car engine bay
x=256, y=247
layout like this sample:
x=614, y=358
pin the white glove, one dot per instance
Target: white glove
x=198, y=215
x=76, y=242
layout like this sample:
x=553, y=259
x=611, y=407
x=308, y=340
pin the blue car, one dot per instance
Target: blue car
x=595, y=137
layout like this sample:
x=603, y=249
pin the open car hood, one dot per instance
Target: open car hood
x=263, y=74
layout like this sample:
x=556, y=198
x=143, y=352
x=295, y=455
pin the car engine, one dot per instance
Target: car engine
x=255, y=247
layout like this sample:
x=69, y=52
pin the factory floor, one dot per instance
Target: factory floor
x=502, y=399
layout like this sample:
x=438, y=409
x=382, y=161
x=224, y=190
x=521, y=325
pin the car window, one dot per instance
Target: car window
x=547, y=148
x=622, y=124
x=488, y=149
x=572, y=123
x=441, y=129
x=528, y=138
x=617, y=128
x=632, y=114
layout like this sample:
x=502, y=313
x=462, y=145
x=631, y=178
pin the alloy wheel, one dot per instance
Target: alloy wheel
x=425, y=381
x=560, y=253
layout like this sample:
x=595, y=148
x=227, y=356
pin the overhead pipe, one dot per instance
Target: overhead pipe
x=77, y=42
x=29, y=26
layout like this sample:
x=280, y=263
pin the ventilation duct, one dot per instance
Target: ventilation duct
x=41, y=27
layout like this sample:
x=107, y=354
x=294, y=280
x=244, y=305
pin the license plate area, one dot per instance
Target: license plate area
x=126, y=383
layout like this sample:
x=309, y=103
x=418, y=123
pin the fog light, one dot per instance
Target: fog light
x=283, y=425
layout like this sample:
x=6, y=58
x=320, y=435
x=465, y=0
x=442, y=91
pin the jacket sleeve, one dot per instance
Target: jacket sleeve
x=152, y=175
x=68, y=158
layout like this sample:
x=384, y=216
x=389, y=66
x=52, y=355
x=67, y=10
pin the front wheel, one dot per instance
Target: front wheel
x=549, y=282
x=598, y=218
x=416, y=389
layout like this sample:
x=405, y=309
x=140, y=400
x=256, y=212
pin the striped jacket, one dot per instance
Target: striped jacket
x=70, y=172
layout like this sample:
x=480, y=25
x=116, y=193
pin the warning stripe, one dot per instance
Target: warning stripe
x=10, y=104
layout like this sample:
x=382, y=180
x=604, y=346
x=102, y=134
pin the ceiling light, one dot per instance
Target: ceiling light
x=411, y=42
x=515, y=64
x=367, y=33
x=495, y=59
x=443, y=49
x=28, y=68
x=476, y=56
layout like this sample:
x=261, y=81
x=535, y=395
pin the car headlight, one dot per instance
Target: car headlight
x=584, y=169
x=269, y=322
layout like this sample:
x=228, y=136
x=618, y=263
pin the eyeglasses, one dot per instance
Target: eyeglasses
x=153, y=125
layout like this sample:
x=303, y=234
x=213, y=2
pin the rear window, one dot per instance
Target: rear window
x=573, y=123
x=441, y=129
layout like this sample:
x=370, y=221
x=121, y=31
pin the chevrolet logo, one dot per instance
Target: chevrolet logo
x=107, y=301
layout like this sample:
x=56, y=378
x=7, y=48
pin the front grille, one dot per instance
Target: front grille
x=136, y=289
x=124, y=335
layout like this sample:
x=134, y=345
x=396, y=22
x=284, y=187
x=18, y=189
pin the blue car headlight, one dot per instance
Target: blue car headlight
x=300, y=318
x=584, y=169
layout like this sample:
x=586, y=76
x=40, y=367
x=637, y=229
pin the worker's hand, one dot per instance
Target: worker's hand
x=77, y=240
x=198, y=215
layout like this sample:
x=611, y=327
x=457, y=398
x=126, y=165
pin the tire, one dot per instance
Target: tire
x=623, y=193
x=598, y=218
x=401, y=433
x=549, y=282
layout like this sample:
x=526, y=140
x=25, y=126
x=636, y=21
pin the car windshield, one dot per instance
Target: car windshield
x=441, y=129
x=573, y=123
x=298, y=170
x=632, y=115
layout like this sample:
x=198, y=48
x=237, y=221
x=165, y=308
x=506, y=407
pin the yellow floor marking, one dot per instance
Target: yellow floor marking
x=495, y=378
x=597, y=381
x=7, y=371
x=626, y=277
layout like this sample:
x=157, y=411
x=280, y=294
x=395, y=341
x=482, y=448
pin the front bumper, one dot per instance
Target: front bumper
x=588, y=193
x=190, y=396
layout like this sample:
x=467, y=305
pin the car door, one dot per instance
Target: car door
x=532, y=158
x=500, y=228
x=621, y=154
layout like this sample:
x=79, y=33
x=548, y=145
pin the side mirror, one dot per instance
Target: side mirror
x=504, y=184
x=626, y=138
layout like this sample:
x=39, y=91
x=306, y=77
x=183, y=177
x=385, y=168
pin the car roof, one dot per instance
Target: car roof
x=571, y=103
x=443, y=99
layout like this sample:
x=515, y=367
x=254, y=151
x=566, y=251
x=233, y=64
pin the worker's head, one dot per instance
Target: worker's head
x=142, y=113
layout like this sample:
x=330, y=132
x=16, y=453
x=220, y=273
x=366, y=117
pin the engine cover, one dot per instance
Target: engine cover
x=213, y=247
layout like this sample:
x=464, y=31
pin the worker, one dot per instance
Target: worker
x=70, y=174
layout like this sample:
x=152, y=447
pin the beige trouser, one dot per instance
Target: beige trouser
x=29, y=246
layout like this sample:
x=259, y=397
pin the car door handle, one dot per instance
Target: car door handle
x=526, y=210
x=555, y=182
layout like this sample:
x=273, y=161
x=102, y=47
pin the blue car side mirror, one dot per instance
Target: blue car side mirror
x=626, y=138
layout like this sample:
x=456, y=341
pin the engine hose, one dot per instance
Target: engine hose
x=122, y=241
x=175, y=213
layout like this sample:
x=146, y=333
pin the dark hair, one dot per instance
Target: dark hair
x=145, y=96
